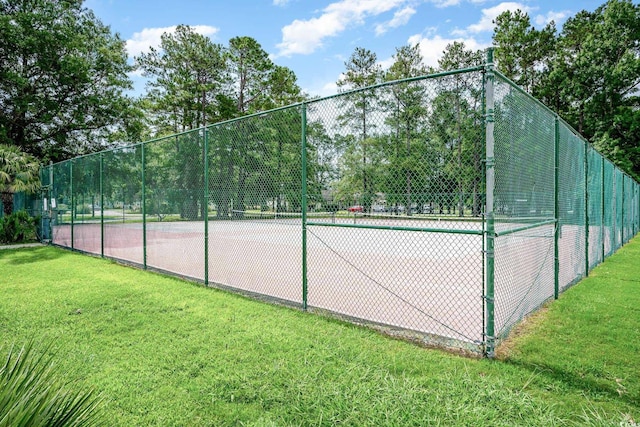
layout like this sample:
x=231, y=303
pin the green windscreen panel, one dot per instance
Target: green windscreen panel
x=609, y=208
x=594, y=209
x=524, y=205
x=572, y=208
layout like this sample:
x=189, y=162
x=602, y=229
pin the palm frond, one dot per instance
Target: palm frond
x=33, y=392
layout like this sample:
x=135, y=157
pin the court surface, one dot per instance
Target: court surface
x=422, y=281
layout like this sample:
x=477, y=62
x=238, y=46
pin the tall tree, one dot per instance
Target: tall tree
x=187, y=72
x=362, y=70
x=589, y=73
x=250, y=68
x=407, y=108
x=62, y=79
x=463, y=93
x=522, y=51
x=599, y=67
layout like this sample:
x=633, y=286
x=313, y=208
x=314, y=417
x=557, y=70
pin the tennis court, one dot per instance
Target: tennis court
x=446, y=227
x=422, y=281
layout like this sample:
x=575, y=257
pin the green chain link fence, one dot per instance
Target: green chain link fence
x=443, y=208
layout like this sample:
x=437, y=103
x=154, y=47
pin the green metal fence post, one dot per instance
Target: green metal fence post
x=102, y=205
x=51, y=195
x=622, y=241
x=489, y=218
x=602, y=184
x=144, y=211
x=586, y=207
x=556, y=213
x=73, y=202
x=304, y=204
x=206, y=206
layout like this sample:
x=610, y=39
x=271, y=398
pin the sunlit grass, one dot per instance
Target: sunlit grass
x=164, y=352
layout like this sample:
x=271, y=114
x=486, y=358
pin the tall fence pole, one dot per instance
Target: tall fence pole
x=556, y=208
x=624, y=228
x=73, y=202
x=206, y=206
x=586, y=207
x=303, y=153
x=144, y=210
x=51, y=196
x=489, y=218
x=102, y=205
x=602, y=207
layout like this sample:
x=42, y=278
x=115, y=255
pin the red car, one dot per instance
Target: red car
x=354, y=209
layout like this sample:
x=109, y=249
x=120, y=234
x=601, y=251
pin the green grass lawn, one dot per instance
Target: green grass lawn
x=165, y=352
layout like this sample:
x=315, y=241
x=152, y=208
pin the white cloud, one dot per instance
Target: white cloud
x=330, y=88
x=401, y=17
x=280, y=2
x=305, y=36
x=488, y=16
x=445, y=3
x=151, y=37
x=431, y=48
x=542, y=20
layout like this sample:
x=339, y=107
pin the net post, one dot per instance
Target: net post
x=556, y=214
x=489, y=338
x=303, y=148
x=144, y=209
x=102, y=205
x=205, y=209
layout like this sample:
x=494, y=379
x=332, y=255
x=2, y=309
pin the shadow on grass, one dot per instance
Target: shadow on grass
x=575, y=381
x=29, y=255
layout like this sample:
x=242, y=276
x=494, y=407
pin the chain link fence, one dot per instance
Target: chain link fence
x=443, y=208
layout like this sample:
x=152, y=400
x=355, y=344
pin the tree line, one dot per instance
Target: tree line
x=64, y=84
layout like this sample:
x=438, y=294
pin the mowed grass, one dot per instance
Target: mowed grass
x=165, y=352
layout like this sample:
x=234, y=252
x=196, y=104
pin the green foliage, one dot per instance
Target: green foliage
x=62, y=75
x=187, y=73
x=19, y=171
x=34, y=392
x=17, y=227
x=588, y=73
x=414, y=144
x=195, y=82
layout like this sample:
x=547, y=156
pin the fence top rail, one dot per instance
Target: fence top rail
x=400, y=81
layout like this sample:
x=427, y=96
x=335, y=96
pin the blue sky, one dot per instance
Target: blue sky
x=315, y=37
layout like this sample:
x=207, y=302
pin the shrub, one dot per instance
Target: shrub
x=17, y=227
